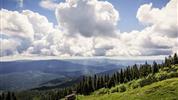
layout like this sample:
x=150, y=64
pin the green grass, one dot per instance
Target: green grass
x=162, y=90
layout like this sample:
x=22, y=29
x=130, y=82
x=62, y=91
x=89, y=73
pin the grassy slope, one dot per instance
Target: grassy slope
x=163, y=90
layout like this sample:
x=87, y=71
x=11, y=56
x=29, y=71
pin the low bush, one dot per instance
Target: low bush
x=144, y=81
x=113, y=90
x=165, y=69
x=173, y=74
x=121, y=88
x=103, y=91
x=135, y=84
x=161, y=76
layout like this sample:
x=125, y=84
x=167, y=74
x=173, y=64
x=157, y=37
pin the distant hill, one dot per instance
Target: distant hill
x=27, y=74
x=25, y=80
x=58, y=83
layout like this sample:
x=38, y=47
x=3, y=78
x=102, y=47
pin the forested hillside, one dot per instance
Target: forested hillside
x=162, y=90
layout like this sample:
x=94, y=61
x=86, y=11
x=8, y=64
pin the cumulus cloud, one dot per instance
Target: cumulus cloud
x=21, y=30
x=40, y=24
x=87, y=17
x=86, y=28
x=16, y=24
x=163, y=21
x=48, y=4
x=16, y=32
x=161, y=35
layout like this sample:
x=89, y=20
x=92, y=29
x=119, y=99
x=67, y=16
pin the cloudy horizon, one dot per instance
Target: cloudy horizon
x=88, y=28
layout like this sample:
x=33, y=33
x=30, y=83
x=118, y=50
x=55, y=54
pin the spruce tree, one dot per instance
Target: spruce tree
x=121, y=77
x=13, y=97
x=175, y=59
x=135, y=72
x=111, y=82
x=155, y=68
x=8, y=96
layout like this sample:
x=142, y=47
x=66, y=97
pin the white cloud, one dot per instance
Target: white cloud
x=87, y=17
x=163, y=21
x=161, y=35
x=48, y=4
x=15, y=24
x=86, y=28
x=40, y=24
x=16, y=32
x=23, y=30
x=8, y=47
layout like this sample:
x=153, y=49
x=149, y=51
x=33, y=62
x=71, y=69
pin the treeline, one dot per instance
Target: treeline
x=8, y=96
x=90, y=84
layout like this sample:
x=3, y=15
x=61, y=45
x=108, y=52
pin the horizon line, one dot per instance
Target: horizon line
x=16, y=58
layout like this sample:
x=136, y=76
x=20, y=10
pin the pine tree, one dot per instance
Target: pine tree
x=118, y=77
x=111, y=82
x=90, y=83
x=175, y=59
x=13, y=97
x=95, y=82
x=135, y=72
x=102, y=82
x=8, y=96
x=155, y=68
x=115, y=78
x=98, y=83
x=1, y=97
x=128, y=73
x=121, y=77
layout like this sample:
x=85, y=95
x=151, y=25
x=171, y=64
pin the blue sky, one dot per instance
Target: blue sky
x=127, y=10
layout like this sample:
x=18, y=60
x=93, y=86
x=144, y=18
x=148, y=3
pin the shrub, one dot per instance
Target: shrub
x=175, y=68
x=173, y=74
x=161, y=76
x=103, y=91
x=166, y=69
x=121, y=88
x=113, y=90
x=135, y=85
x=143, y=82
x=151, y=77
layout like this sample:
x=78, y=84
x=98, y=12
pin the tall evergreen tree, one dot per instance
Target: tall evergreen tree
x=121, y=77
x=13, y=97
x=155, y=68
x=111, y=82
x=95, y=82
x=8, y=96
x=90, y=83
x=175, y=59
x=135, y=72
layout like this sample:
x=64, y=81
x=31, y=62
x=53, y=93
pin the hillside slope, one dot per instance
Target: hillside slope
x=162, y=90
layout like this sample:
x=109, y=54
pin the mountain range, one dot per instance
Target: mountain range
x=28, y=74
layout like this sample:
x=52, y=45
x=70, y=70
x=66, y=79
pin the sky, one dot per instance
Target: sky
x=88, y=28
